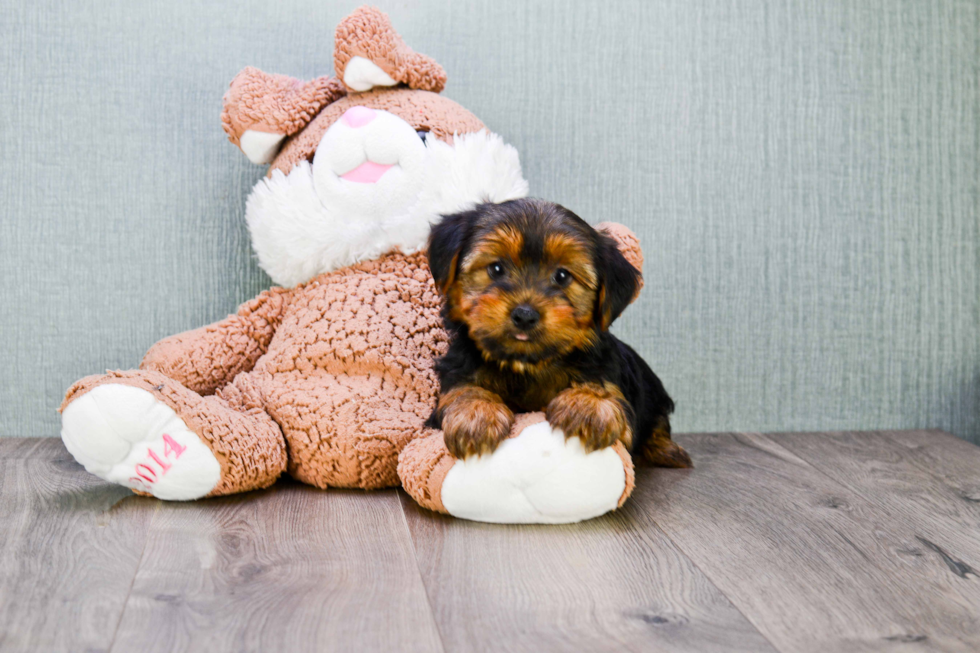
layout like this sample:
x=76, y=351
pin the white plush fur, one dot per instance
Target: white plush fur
x=537, y=477
x=311, y=221
x=115, y=431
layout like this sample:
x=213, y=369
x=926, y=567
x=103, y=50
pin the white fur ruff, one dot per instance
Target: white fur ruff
x=297, y=236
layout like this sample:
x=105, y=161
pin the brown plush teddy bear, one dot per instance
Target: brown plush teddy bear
x=330, y=375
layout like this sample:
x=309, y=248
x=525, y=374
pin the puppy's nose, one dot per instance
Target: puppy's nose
x=358, y=116
x=524, y=316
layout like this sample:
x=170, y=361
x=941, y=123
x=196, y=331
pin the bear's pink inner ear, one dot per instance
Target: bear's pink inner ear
x=368, y=52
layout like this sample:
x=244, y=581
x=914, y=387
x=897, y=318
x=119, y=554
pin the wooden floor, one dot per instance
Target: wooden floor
x=794, y=542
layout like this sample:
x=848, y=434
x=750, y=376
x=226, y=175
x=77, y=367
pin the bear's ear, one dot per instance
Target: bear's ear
x=260, y=109
x=368, y=52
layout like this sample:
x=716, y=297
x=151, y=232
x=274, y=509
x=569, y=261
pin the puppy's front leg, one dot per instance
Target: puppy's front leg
x=598, y=414
x=474, y=420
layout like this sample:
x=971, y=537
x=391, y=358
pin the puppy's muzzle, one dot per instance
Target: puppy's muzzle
x=525, y=317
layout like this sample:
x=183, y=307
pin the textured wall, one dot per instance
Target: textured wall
x=803, y=176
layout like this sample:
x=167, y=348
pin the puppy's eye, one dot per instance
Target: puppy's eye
x=423, y=135
x=562, y=277
x=495, y=270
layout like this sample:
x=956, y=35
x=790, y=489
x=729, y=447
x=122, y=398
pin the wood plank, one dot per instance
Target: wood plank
x=812, y=564
x=613, y=583
x=290, y=569
x=954, y=461
x=844, y=541
x=70, y=545
x=24, y=448
x=929, y=498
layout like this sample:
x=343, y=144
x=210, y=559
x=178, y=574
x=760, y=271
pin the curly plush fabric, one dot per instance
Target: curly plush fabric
x=349, y=374
x=276, y=104
x=367, y=33
x=342, y=367
x=343, y=364
x=422, y=467
x=207, y=358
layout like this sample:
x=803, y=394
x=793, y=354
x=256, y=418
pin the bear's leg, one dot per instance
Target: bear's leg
x=147, y=432
x=347, y=430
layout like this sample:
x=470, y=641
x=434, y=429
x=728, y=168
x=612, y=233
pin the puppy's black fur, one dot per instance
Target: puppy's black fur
x=567, y=362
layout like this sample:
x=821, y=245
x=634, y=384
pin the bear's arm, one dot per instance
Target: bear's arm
x=208, y=358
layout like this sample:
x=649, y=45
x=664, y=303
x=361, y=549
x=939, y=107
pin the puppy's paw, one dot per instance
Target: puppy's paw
x=474, y=421
x=598, y=414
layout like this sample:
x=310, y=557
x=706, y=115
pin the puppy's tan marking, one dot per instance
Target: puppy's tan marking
x=567, y=251
x=595, y=413
x=451, y=276
x=474, y=420
x=503, y=243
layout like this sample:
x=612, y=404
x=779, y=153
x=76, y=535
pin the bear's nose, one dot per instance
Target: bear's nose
x=524, y=316
x=358, y=116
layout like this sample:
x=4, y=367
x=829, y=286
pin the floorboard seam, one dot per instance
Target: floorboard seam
x=401, y=496
x=132, y=583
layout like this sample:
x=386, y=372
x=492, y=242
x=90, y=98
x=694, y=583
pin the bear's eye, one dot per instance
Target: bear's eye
x=562, y=277
x=423, y=135
x=495, y=270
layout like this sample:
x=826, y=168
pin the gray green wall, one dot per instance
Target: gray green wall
x=803, y=176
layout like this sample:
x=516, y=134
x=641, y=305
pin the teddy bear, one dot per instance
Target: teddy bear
x=329, y=375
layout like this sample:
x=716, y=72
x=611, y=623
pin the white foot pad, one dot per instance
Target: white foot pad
x=124, y=435
x=537, y=477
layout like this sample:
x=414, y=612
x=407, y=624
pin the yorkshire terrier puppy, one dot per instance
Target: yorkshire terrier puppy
x=530, y=291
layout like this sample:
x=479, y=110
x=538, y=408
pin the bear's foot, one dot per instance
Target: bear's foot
x=125, y=435
x=148, y=432
x=536, y=475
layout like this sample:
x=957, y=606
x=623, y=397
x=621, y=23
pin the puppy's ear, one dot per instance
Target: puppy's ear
x=619, y=282
x=446, y=242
